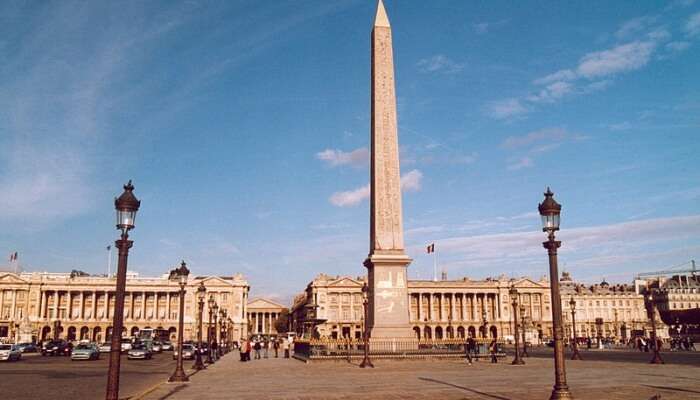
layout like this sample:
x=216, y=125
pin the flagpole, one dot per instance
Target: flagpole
x=434, y=263
x=109, y=261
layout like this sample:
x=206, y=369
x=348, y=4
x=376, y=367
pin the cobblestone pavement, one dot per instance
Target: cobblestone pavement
x=435, y=379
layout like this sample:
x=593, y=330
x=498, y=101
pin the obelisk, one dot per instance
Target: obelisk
x=387, y=262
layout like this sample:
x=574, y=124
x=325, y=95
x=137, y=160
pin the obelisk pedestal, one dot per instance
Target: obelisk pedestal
x=387, y=262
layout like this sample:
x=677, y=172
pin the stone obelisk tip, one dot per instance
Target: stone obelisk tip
x=381, y=19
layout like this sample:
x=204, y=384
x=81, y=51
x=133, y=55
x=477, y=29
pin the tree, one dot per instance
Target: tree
x=282, y=322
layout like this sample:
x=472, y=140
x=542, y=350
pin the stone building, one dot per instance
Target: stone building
x=612, y=311
x=331, y=306
x=262, y=314
x=679, y=292
x=84, y=305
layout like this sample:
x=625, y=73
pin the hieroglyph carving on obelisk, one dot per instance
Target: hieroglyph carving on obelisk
x=387, y=261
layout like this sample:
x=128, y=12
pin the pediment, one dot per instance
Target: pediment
x=345, y=282
x=10, y=278
x=264, y=303
x=216, y=281
x=527, y=283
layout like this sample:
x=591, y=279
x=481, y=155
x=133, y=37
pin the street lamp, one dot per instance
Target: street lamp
x=514, y=297
x=222, y=332
x=126, y=205
x=365, y=331
x=201, y=294
x=549, y=211
x=522, y=327
x=211, y=303
x=215, y=312
x=572, y=304
x=652, y=305
x=180, y=276
x=486, y=322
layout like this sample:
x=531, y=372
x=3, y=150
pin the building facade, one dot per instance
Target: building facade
x=35, y=306
x=332, y=307
x=262, y=315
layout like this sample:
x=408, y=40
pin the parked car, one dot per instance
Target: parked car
x=167, y=346
x=140, y=351
x=10, y=352
x=157, y=347
x=85, y=352
x=56, y=348
x=188, y=352
x=27, y=347
x=126, y=345
x=105, y=347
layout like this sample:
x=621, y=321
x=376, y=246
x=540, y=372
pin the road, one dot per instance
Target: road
x=36, y=377
x=621, y=355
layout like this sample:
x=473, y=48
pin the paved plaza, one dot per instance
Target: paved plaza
x=627, y=376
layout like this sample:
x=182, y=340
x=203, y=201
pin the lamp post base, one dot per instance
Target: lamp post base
x=179, y=376
x=518, y=361
x=657, y=359
x=366, y=363
x=198, y=365
x=561, y=394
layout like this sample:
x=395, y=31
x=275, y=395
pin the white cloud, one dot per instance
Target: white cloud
x=351, y=197
x=620, y=126
x=552, y=92
x=692, y=27
x=481, y=28
x=634, y=26
x=410, y=182
x=505, y=109
x=561, y=75
x=626, y=57
x=548, y=134
x=334, y=158
x=439, y=63
x=525, y=162
x=677, y=47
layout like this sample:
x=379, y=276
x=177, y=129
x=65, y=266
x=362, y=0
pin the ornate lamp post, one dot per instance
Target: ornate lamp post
x=365, y=331
x=486, y=323
x=215, y=331
x=522, y=327
x=572, y=304
x=180, y=275
x=514, y=296
x=201, y=293
x=211, y=303
x=222, y=332
x=652, y=306
x=550, y=210
x=126, y=205
x=56, y=328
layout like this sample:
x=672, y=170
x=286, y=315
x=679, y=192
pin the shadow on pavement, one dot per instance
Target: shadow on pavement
x=493, y=396
x=672, y=389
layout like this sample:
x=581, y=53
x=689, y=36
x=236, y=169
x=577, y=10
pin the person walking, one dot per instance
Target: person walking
x=468, y=348
x=493, y=347
x=266, y=347
x=285, y=347
x=257, y=348
x=276, y=345
x=241, y=350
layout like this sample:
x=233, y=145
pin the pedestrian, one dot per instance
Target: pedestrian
x=493, y=347
x=248, y=348
x=276, y=345
x=588, y=342
x=214, y=353
x=285, y=347
x=241, y=350
x=468, y=348
x=257, y=348
x=266, y=347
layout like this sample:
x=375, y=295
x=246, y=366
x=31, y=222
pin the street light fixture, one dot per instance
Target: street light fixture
x=572, y=304
x=211, y=303
x=652, y=305
x=201, y=294
x=522, y=327
x=215, y=312
x=365, y=331
x=549, y=211
x=486, y=323
x=222, y=332
x=513, y=292
x=180, y=276
x=127, y=205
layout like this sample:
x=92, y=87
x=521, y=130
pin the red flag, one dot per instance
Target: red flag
x=431, y=248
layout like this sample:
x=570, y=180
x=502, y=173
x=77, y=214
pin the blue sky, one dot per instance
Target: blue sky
x=245, y=127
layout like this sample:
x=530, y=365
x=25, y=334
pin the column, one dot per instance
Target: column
x=69, y=306
x=498, y=305
x=155, y=306
x=167, y=308
x=42, y=302
x=81, y=312
x=56, y=295
x=143, y=305
x=94, y=305
x=464, y=307
x=13, y=315
x=419, y=315
x=453, y=308
x=473, y=298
